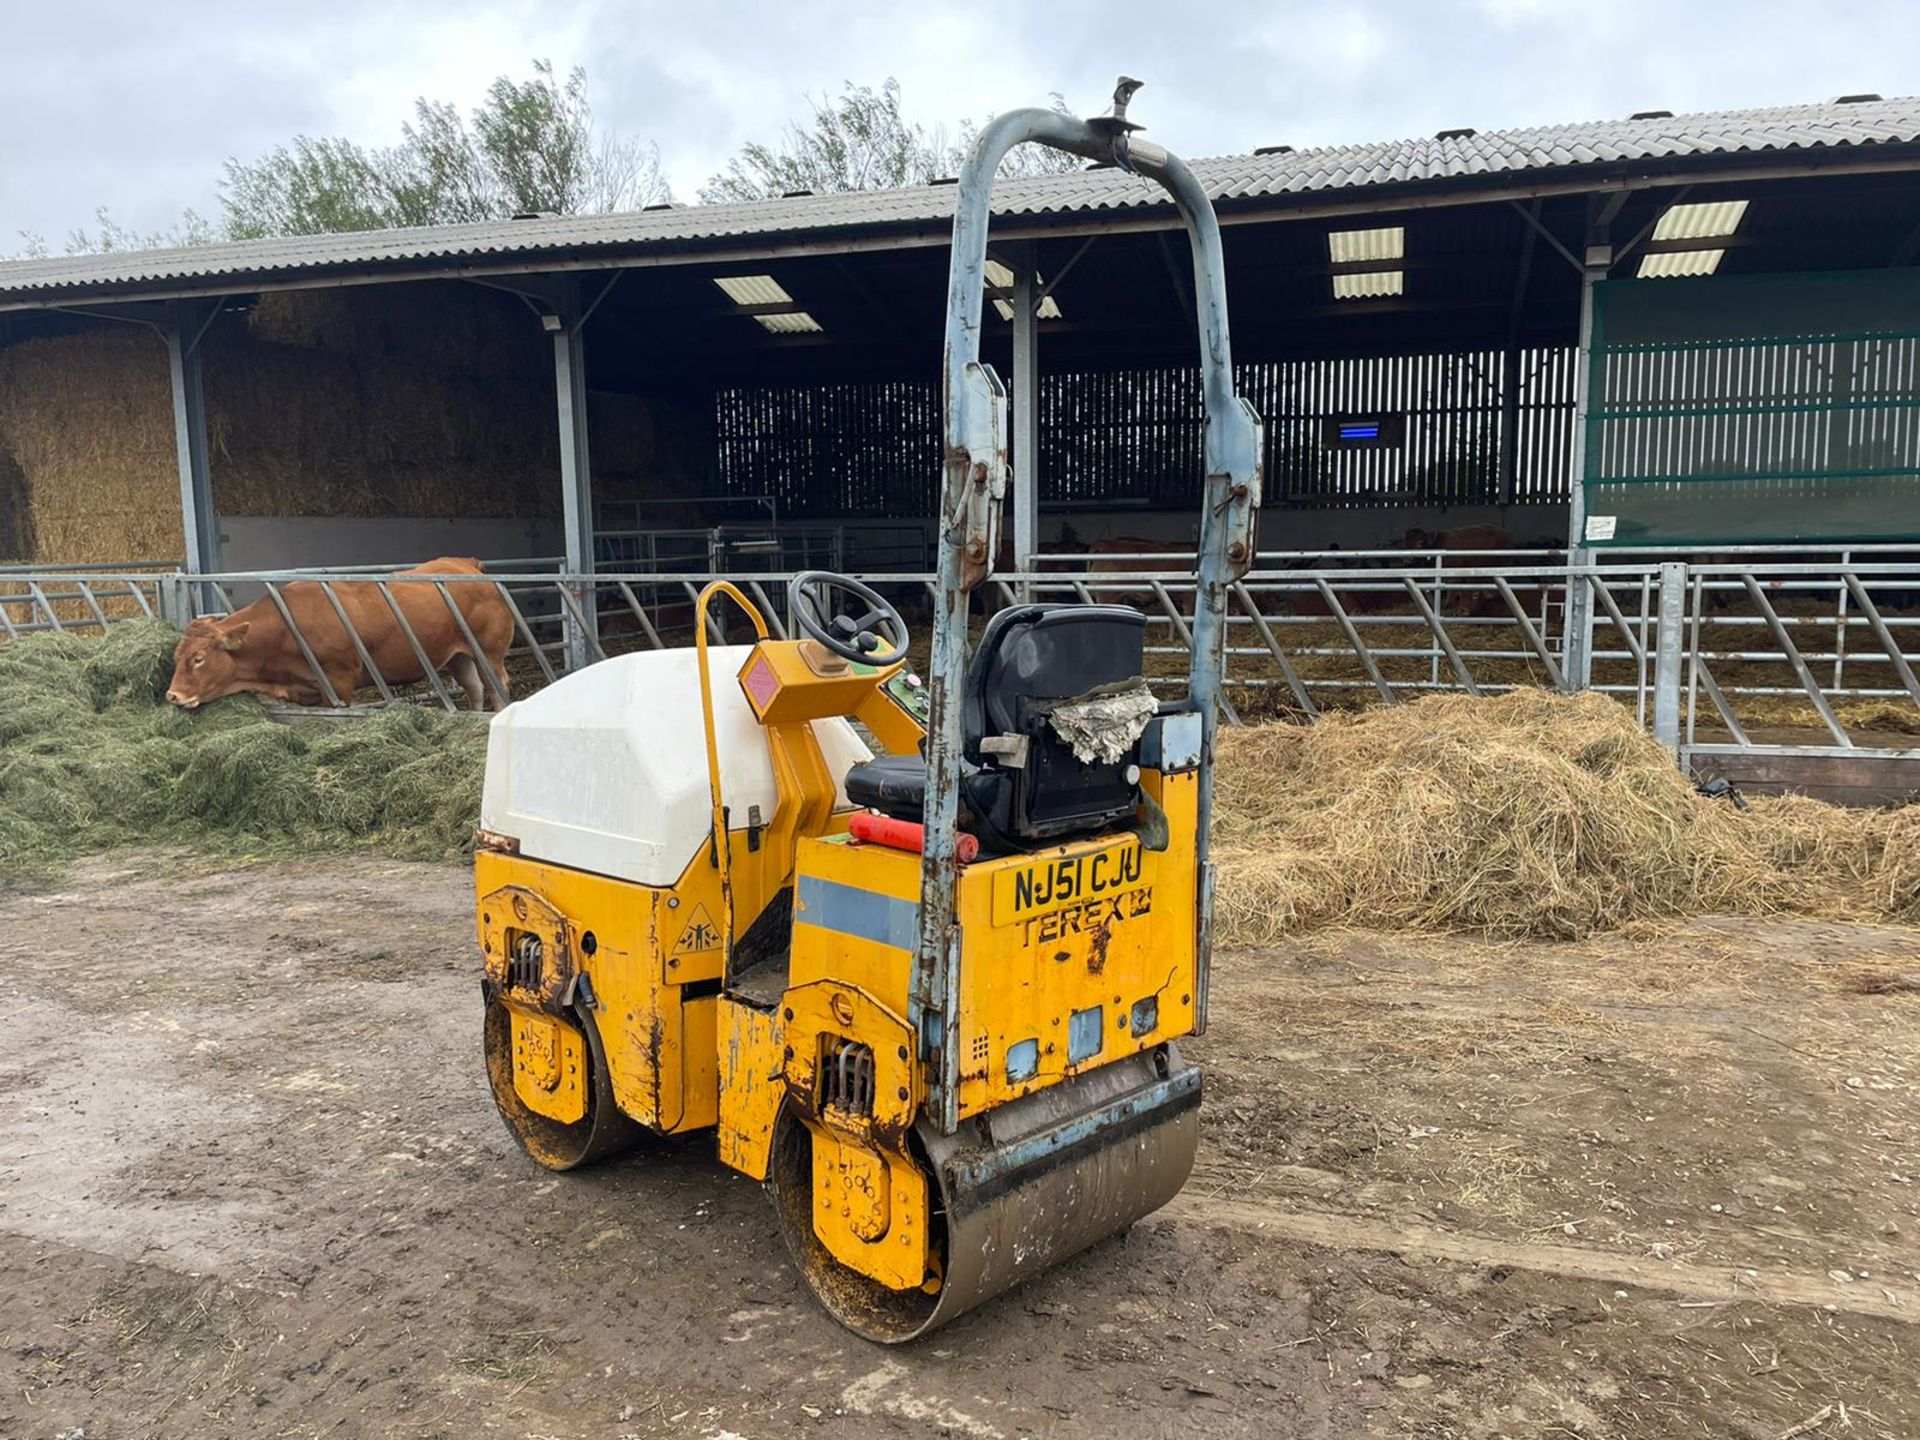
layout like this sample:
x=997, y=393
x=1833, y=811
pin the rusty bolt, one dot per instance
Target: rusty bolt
x=903, y=1052
x=1186, y=999
x=903, y=1092
x=976, y=550
x=788, y=1013
x=789, y=1054
x=1237, y=551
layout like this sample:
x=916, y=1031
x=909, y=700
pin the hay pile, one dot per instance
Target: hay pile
x=1530, y=814
x=92, y=757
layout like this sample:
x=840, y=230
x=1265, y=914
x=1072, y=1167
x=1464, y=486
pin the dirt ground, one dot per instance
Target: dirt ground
x=252, y=1184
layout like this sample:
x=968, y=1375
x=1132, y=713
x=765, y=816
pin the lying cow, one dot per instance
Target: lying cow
x=253, y=650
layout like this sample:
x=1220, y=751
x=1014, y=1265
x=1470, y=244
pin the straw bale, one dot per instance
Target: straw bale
x=88, y=421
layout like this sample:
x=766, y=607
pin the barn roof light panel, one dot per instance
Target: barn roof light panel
x=1369, y=284
x=790, y=322
x=1676, y=264
x=999, y=277
x=1348, y=247
x=1707, y=221
x=753, y=290
x=1711, y=220
x=765, y=290
x=1048, y=309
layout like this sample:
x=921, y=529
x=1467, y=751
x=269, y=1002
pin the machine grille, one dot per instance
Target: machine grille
x=525, y=960
x=848, y=1077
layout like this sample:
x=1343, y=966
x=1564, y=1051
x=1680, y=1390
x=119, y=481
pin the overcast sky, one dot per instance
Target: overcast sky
x=134, y=104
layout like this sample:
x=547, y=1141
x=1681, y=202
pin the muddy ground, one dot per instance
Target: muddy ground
x=252, y=1184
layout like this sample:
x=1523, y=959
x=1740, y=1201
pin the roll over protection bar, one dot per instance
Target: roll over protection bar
x=973, y=484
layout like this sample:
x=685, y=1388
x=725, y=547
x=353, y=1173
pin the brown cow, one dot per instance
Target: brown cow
x=253, y=650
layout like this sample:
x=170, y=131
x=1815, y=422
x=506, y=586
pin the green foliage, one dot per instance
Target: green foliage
x=91, y=757
x=109, y=235
x=862, y=140
x=530, y=146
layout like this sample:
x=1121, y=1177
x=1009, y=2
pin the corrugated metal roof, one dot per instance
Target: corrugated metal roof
x=1235, y=180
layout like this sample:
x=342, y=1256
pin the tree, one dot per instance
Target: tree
x=862, y=140
x=111, y=235
x=530, y=146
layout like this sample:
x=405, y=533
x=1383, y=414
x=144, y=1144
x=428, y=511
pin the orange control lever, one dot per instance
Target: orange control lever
x=906, y=835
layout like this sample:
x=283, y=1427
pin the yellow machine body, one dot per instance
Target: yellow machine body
x=615, y=1009
x=931, y=998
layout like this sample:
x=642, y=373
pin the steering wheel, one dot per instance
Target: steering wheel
x=874, y=636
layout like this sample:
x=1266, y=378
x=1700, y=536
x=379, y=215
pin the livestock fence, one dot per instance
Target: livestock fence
x=1769, y=649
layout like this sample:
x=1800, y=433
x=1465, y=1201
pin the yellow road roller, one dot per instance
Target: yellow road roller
x=918, y=954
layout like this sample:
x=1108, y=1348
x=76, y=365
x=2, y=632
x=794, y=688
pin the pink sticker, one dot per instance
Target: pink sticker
x=760, y=682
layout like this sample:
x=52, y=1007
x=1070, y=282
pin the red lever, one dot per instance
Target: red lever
x=906, y=835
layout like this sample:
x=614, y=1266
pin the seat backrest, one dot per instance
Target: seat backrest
x=1028, y=658
x=1041, y=653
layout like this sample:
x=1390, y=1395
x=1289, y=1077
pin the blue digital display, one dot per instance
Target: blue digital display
x=1363, y=430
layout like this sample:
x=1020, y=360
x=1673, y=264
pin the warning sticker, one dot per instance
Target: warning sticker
x=1602, y=527
x=760, y=683
x=701, y=934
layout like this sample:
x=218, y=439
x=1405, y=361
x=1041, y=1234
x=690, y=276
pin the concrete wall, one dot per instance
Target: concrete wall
x=1285, y=529
x=270, y=543
x=250, y=542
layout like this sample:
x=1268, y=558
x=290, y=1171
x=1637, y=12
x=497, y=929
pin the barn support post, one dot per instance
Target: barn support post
x=1576, y=656
x=567, y=323
x=1577, y=649
x=563, y=307
x=183, y=330
x=1026, y=412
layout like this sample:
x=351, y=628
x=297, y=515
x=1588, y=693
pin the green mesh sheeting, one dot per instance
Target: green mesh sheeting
x=1751, y=409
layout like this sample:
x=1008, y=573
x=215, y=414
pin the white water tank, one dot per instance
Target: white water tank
x=606, y=769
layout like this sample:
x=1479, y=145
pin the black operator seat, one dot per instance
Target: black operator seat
x=1030, y=659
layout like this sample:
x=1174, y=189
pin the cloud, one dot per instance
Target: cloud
x=135, y=105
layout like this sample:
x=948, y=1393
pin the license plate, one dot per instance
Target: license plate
x=1062, y=880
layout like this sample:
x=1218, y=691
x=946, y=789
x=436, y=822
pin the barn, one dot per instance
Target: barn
x=1594, y=348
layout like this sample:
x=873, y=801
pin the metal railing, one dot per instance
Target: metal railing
x=76, y=597
x=1740, y=654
